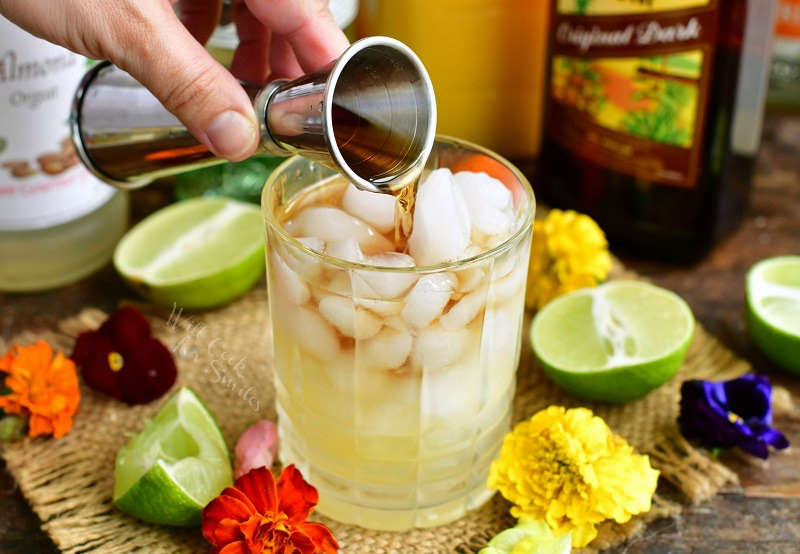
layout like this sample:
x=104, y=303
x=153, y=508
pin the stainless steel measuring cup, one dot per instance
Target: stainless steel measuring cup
x=371, y=115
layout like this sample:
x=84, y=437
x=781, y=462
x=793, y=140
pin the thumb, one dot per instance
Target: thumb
x=194, y=87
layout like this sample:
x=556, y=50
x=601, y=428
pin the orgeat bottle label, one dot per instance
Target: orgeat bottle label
x=41, y=182
x=629, y=83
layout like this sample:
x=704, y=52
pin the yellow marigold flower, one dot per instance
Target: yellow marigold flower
x=569, y=252
x=567, y=468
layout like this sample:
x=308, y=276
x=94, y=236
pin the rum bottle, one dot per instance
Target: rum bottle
x=654, y=116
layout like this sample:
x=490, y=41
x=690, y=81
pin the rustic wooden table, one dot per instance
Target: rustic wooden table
x=759, y=516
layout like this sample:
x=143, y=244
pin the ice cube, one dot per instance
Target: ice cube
x=488, y=201
x=350, y=284
x=352, y=322
x=428, y=297
x=332, y=224
x=389, y=349
x=441, y=221
x=384, y=285
x=314, y=243
x=375, y=208
x=318, y=293
x=311, y=332
x=509, y=286
x=288, y=283
x=436, y=347
x=338, y=283
x=465, y=310
x=391, y=259
x=503, y=265
x=451, y=395
x=501, y=342
x=302, y=263
x=473, y=276
x=345, y=249
x=397, y=322
x=385, y=308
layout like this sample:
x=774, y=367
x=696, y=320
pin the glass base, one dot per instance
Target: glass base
x=400, y=520
x=393, y=482
x=337, y=502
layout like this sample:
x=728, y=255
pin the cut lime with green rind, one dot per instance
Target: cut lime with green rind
x=178, y=463
x=528, y=537
x=615, y=342
x=506, y=540
x=194, y=254
x=773, y=309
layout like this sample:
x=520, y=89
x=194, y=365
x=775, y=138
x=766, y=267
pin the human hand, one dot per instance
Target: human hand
x=278, y=38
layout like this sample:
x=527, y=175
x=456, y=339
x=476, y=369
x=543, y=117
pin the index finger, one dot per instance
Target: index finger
x=200, y=17
x=307, y=25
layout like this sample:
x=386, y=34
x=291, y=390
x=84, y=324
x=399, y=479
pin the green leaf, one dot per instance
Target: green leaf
x=12, y=427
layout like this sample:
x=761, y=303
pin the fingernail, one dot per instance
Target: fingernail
x=231, y=134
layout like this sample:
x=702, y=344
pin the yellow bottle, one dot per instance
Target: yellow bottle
x=486, y=59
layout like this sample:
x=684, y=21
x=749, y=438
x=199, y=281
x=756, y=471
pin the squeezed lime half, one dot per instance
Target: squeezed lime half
x=615, y=342
x=168, y=473
x=197, y=253
x=773, y=309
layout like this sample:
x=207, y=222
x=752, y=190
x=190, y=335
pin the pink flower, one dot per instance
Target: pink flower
x=256, y=447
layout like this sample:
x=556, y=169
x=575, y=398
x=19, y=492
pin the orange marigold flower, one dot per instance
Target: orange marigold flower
x=258, y=516
x=43, y=389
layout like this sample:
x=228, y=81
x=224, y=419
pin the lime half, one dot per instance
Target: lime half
x=197, y=253
x=615, y=342
x=773, y=309
x=529, y=536
x=168, y=473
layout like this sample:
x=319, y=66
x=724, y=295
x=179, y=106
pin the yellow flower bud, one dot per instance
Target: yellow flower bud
x=569, y=252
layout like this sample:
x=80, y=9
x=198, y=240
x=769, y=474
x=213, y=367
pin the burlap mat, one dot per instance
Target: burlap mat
x=224, y=356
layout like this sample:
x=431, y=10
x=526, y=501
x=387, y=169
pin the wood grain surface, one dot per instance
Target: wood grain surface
x=759, y=516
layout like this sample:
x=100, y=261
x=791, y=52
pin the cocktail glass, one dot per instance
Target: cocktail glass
x=395, y=419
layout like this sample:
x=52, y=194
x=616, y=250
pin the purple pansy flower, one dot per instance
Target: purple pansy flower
x=730, y=413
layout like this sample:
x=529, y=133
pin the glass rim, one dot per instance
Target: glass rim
x=525, y=227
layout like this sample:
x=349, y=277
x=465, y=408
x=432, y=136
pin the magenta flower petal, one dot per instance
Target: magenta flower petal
x=123, y=360
x=91, y=354
x=149, y=372
x=126, y=328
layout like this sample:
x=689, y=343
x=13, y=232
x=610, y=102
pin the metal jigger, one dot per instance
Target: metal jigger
x=371, y=115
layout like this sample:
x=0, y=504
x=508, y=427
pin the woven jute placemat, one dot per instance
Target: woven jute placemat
x=225, y=356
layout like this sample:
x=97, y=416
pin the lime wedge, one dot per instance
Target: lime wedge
x=197, y=253
x=168, y=473
x=615, y=342
x=528, y=537
x=773, y=309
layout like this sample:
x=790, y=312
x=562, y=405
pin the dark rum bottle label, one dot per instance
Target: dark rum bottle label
x=629, y=84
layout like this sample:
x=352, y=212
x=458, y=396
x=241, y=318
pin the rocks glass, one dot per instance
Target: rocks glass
x=394, y=406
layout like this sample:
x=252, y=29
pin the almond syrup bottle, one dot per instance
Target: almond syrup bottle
x=58, y=223
x=654, y=117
